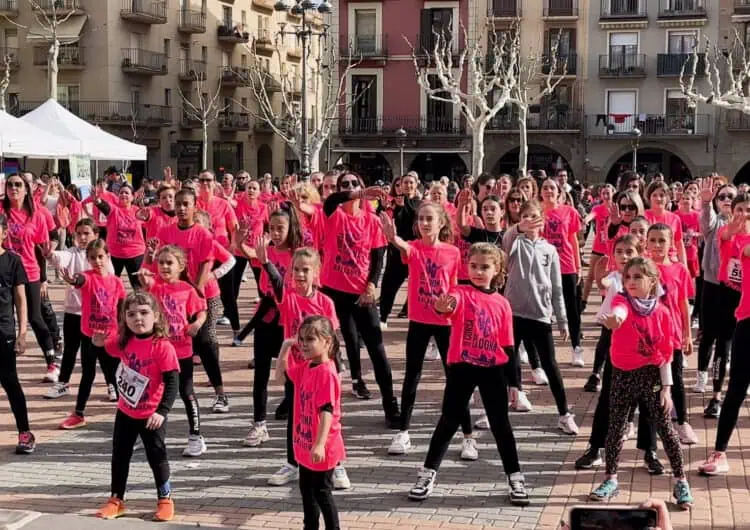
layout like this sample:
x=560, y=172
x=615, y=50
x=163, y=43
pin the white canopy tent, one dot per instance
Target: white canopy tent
x=20, y=139
x=94, y=142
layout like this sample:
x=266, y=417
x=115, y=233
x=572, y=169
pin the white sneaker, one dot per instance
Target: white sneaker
x=482, y=423
x=284, y=476
x=701, y=382
x=111, y=393
x=57, y=390
x=629, y=432
x=257, y=435
x=684, y=362
x=196, y=446
x=523, y=355
x=469, y=449
x=53, y=373
x=577, y=359
x=432, y=354
x=401, y=444
x=567, y=424
x=384, y=326
x=540, y=378
x=522, y=403
x=223, y=321
x=340, y=478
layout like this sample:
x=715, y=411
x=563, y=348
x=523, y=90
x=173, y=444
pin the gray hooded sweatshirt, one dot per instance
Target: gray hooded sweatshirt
x=710, y=225
x=534, y=283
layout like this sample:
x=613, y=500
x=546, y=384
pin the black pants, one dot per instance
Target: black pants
x=602, y=350
x=125, y=434
x=265, y=312
x=132, y=265
x=189, y=399
x=72, y=333
x=266, y=345
x=717, y=310
x=600, y=424
x=34, y=311
x=230, y=291
x=316, y=488
x=206, y=346
x=289, y=398
x=50, y=318
x=540, y=334
x=460, y=381
x=357, y=320
x=89, y=356
x=393, y=278
x=572, y=298
x=417, y=340
x=739, y=379
x=11, y=384
x=678, y=388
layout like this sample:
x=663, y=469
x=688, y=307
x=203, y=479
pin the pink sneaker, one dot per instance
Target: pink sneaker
x=715, y=465
x=74, y=421
x=687, y=436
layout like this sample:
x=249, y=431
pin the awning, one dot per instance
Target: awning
x=68, y=31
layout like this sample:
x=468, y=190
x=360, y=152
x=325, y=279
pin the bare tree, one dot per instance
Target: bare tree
x=726, y=73
x=205, y=110
x=5, y=80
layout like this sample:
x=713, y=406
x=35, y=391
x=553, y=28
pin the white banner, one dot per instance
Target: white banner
x=80, y=171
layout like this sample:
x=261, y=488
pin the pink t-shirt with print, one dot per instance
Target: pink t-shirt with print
x=24, y=233
x=642, y=340
x=433, y=271
x=156, y=221
x=600, y=215
x=222, y=217
x=196, y=242
x=181, y=303
x=743, y=308
x=560, y=224
x=124, y=233
x=100, y=296
x=255, y=216
x=672, y=221
x=282, y=260
x=295, y=308
x=678, y=287
x=222, y=255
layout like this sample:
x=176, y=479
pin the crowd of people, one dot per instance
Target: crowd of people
x=492, y=265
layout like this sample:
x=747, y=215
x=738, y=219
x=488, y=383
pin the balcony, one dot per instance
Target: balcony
x=189, y=121
x=682, y=9
x=61, y=7
x=68, y=58
x=233, y=121
x=232, y=34
x=627, y=65
x=738, y=121
x=564, y=64
x=192, y=70
x=504, y=9
x=116, y=113
x=426, y=42
x=143, y=62
x=9, y=55
x=559, y=118
x=670, y=64
x=144, y=11
x=264, y=43
x=192, y=21
x=9, y=8
x=270, y=83
x=741, y=7
x=235, y=76
x=364, y=47
x=560, y=9
x=651, y=125
x=413, y=125
x=262, y=126
x=622, y=10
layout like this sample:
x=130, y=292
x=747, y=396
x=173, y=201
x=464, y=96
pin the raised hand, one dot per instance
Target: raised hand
x=389, y=227
x=614, y=213
x=373, y=193
x=445, y=303
x=464, y=197
x=707, y=189
x=260, y=250
x=67, y=277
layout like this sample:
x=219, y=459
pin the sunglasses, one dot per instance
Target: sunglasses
x=14, y=184
x=349, y=184
x=489, y=186
x=205, y=180
x=725, y=197
x=628, y=207
x=515, y=199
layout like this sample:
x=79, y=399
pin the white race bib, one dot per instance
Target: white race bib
x=130, y=384
x=734, y=270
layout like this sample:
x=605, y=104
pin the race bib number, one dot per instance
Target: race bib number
x=687, y=238
x=131, y=385
x=734, y=271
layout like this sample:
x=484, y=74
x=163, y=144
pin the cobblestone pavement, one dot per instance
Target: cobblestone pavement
x=69, y=473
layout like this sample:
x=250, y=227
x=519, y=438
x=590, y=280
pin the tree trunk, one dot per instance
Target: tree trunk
x=205, y=145
x=477, y=148
x=523, y=147
x=52, y=67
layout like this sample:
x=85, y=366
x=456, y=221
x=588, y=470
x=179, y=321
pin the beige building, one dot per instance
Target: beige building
x=124, y=63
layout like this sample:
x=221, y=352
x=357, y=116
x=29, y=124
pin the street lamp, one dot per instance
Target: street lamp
x=303, y=33
x=636, y=132
x=401, y=134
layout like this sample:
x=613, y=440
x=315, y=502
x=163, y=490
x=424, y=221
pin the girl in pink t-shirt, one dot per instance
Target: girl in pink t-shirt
x=691, y=232
x=641, y=352
x=185, y=312
x=154, y=218
x=148, y=379
x=657, y=196
x=433, y=264
x=317, y=440
x=101, y=294
x=600, y=217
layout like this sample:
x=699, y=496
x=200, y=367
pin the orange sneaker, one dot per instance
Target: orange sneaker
x=164, y=510
x=74, y=421
x=112, y=510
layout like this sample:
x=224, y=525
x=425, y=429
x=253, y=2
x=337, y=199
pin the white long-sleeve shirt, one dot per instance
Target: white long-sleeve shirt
x=74, y=260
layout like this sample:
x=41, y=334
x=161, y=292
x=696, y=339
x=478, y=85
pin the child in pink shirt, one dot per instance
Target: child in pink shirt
x=691, y=232
x=600, y=217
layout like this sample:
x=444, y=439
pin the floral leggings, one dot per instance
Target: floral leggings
x=629, y=388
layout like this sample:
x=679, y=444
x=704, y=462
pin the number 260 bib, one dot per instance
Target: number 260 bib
x=131, y=385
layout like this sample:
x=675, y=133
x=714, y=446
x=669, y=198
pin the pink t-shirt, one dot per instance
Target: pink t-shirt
x=731, y=270
x=181, y=303
x=24, y=233
x=92, y=211
x=124, y=232
x=222, y=217
x=346, y=250
x=678, y=287
x=282, y=259
x=157, y=220
x=559, y=226
x=672, y=221
x=255, y=216
x=482, y=325
x=463, y=247
x=743, y=308
x=433, y=271
x=196, y=242
x=222, y=255
x=600, y=214
x=100, y=296
x=642, y=340
x=691, y=229
x=49, y=219
x=295, y=308
x=314, y=388
x=611, y=263
x=150, y=358
x=312, y=228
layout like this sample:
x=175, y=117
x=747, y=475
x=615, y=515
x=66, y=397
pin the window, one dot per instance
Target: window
x=184, y=54
x=365, y=107
x=439, y=113
x=621, y=106
x=243, y=18
x=167, y=97
x=68, y=93
x=226, y=16
x=679, y=117
x=243, y=60
x=364, y=27
x=10, y=39
x=567, y=41
x=135, y=96
x=624, y=7
x=681, y=42
x=623, y=52
x=225, y=60
x=435, y=21
x=166, y=47
x=243, y=102
x=204, y=54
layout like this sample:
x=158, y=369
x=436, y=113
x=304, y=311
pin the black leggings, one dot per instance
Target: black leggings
x=230, y=291
x=11, y=384
x=460, y=381
x=289, y=397
x=89, y=355
x=132, y=265
x=602, y=351
x=50, y=318
x=316, y=488
x=540, y=334
x=739, y=379
x=718, y=305
x=359, y=320
x=206, y=346
x=72, y=333
x=572, y=298
x=678, y=388
x=266, y=345
x=417, y=340
x=189, y=399
x=393, y=278
x=125, y=434
x=34, y=311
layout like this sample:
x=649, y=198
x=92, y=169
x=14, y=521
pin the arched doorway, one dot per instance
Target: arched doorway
x=651, y=161
x=743, y=175
x=432, y=166
x=539, y=157
x=265, y=160
x=370, y=166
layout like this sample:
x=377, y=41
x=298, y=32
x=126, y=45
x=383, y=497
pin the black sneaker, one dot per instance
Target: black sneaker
x=282, y=411
x=592, y=385
x=713, y=409
x=359, y=389
x=424, y=485
x=652, y=463
x=26, y=443
x=392, y=415
x=517, y=490
x=591, y=458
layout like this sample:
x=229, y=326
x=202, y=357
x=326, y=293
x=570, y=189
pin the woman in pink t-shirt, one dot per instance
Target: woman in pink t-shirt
x=158, y=216
x=657, y=196
x=691, y=232
x=317, y=439
x=600, y=217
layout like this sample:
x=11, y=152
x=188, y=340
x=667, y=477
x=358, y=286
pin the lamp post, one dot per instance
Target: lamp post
x=303, y=33
x=401, y=134
x=636, y=132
